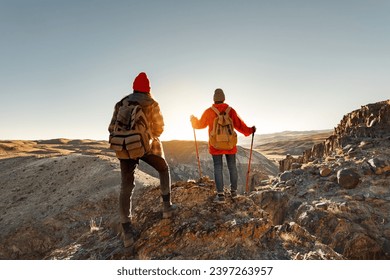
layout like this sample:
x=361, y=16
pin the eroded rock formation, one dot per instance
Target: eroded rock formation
x=371, y=121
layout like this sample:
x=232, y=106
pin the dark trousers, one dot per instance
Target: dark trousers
x=128, y=167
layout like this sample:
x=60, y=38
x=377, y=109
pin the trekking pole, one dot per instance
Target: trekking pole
x=249, y=165
x=197, y=155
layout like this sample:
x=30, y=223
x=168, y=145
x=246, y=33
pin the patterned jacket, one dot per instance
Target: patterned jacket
x=154, y=116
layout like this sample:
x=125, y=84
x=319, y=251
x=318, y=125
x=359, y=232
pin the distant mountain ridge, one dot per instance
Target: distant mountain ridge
x=277, y=145
x=261, y=139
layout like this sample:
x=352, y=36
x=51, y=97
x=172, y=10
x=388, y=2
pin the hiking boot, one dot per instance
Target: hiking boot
x=233, y=194
x=127, y=235
x=220, y=198
x=168, y=209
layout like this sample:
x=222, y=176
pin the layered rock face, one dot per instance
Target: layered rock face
x=371, y=121
x=339, y=190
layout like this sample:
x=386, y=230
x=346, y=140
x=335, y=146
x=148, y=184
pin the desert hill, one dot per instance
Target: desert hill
x=51, y=188
x=260, y=139
x=59, y=201
x=277, y=145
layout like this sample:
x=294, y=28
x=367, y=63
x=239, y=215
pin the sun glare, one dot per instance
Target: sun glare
x=182, y=130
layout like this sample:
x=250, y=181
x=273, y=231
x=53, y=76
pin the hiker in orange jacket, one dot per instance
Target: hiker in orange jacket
x=207, y=119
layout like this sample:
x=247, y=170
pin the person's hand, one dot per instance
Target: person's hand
x=254, y=129
x=193, y=119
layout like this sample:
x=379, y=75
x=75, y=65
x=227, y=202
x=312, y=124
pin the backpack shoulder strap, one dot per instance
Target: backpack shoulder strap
x=227, y=111
x=122, y=100
x=215, y=110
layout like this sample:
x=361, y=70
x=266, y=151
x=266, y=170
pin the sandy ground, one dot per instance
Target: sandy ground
x=53, y=184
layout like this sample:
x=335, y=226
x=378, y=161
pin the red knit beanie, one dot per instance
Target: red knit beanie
x=141, y=83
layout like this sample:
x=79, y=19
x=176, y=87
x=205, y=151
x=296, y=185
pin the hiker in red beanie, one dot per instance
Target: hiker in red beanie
x=222, y=120
x=135, y=126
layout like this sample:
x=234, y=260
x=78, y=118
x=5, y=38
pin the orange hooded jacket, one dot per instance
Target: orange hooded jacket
x=207, y=119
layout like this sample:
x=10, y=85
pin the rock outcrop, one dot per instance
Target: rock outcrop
x=339, y=190
x=371, y=121
x=201, y=229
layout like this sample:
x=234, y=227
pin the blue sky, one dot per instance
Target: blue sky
x=284, y=65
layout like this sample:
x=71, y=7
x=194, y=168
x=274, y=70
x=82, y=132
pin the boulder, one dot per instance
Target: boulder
x=325, y=171
x=348, y=178
x=379, y=166
x=291, y=182
x=273, y=202
x=285, y=176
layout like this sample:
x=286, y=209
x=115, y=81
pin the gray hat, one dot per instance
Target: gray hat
x=219, y=96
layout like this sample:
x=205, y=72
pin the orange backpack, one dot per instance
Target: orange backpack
x=223, y=136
